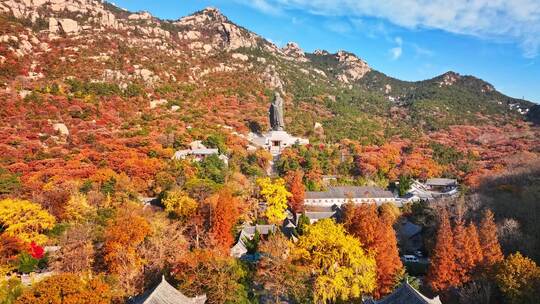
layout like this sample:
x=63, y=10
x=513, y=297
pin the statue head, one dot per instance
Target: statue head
x=277, y=98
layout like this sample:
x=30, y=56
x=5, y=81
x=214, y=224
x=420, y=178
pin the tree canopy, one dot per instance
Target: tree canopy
x=343, y=269
x=25, y=220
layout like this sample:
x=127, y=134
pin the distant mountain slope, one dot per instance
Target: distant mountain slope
x=94, y=41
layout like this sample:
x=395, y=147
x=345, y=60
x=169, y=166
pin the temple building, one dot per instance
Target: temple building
x=340, y=195
x=247, y=233
x=277, y=138
x=405, y=294
x=442, y=185
x=164, y=293
x=197, y=151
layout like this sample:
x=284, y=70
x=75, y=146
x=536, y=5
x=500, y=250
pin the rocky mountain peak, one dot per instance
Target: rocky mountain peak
x=292, y=49
x=344, y=56
x=354, y=67
x=321, y=52
x=449, y=78
x=209, y=30
x=144, y=15
x=212, y=11
x=209, y=15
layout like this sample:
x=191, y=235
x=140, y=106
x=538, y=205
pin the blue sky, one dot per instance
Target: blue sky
x=498, y=41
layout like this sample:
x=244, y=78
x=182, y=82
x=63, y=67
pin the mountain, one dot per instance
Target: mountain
x=205, y=55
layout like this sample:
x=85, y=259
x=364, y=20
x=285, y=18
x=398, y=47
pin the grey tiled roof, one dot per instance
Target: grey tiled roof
x=409, y=229
x=204, y=151
x=248, y=232
x=406, y=294
x=319, y=215
x=349, y=192
x=164, y=293
x=441, y=182
x=263, y=229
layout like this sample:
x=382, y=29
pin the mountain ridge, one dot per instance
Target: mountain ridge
x=86, y=80
x=213, y=44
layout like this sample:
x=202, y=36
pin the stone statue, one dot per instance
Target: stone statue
x=276, y=113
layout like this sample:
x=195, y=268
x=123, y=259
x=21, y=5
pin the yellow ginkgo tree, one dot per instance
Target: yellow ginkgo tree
x=343, y=270
x=78, y=208
x=276, y=195
x=25, y=220
x=179, y=203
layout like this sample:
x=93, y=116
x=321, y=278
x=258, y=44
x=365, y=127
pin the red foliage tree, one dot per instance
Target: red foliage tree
x=376, y=234
x=297, y=189
x=36, y=251
x=224, y=217
x=10, y=247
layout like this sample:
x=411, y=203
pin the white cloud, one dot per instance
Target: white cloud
x=370, y=29
x=515, y=21
x=397, y=51
x=264, y=6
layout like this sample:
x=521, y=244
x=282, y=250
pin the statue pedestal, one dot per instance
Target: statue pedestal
x=276, y=141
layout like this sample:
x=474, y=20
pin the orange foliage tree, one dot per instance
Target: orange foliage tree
x=468, y=250
x=297, y=189
x=218, y=276
x=122, y=237
x=489, y=241
x=224, y=217
x=67, y=288
x=418, y=165
x=374, y=159
x=376, y=234
x=444, y=271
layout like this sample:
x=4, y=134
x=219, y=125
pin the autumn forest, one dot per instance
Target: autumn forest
x=131, y=154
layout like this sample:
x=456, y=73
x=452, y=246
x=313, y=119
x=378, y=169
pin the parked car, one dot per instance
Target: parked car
x=410, y=258
x=418, y=253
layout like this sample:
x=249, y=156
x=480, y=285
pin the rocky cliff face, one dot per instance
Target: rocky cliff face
x=45, y=9
x=210, y=31
x=294, y=52
x=190, y=49
x=354, y=68
x=204, y=33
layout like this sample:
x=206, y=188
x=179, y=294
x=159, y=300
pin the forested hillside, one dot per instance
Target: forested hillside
x=96, y=100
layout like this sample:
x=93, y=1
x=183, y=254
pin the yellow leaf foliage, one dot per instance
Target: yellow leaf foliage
x=518, y=278
x=276, y=195
x=77, y=207
x=344, y=271
x=25, y=220
x=179, y=203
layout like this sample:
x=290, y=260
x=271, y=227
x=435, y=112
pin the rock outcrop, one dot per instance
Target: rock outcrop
x=293, y=51
x=209, y=30
x=354, y=68
x=54, y=9
x=140, y=16
x=271, y=78
x=449, y=79
x=61, y=128
x=67, y=26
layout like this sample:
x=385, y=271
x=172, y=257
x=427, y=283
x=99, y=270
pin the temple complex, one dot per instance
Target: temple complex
x=277, y=138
